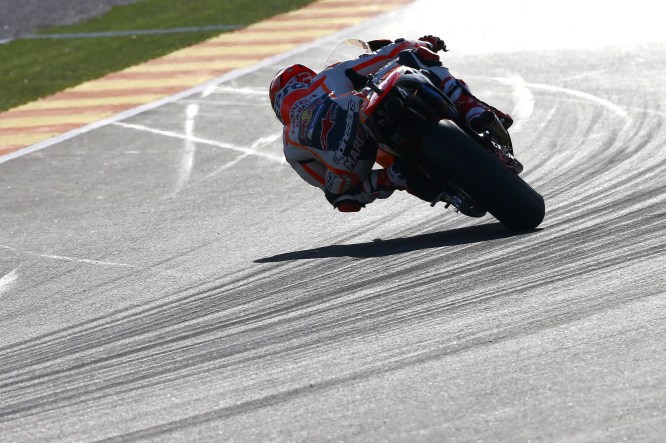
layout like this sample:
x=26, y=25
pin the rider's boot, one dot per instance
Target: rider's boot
x=381, y=183
x=397, y=176
x=478, y=114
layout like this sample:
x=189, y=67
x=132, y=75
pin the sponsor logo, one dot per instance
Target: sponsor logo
x=297, y=114
x=327, y=124
x=349, y=127
x=306, y=119
x=300, y=106
x=315, y=111
x=279, y=98
x=356, y=150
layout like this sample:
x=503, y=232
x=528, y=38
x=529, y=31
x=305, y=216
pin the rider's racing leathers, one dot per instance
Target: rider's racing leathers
x=324, y=141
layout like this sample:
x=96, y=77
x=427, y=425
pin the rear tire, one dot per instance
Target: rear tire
x=461, y=161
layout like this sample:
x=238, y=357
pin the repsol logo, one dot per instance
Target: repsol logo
x=279, y=98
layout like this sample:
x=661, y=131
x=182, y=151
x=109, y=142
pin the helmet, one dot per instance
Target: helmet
x=288, y=76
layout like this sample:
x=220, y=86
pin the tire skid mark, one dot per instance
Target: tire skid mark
x=491, y=336
x=294, y=308
x=243, y=282
x=308, y=307
x=246, y=284
x=188, y=360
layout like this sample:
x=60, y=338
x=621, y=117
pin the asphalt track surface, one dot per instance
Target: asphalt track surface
x=20, y=17
x=168, y=278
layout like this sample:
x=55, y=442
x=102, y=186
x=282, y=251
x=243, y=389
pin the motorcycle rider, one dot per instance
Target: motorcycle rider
x=324, y=141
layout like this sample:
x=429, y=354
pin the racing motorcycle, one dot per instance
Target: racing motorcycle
x=446, y=161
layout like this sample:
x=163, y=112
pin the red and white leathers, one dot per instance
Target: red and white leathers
x=324, y=141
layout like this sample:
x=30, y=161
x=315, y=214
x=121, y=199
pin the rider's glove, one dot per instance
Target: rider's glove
x=376, y=45
x=436, y=43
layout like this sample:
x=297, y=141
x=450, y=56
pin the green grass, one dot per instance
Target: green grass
x=35, y=68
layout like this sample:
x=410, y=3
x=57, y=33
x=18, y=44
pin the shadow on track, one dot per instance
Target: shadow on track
x=382, y=248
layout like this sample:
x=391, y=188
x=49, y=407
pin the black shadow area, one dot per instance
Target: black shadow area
x=383, y=248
